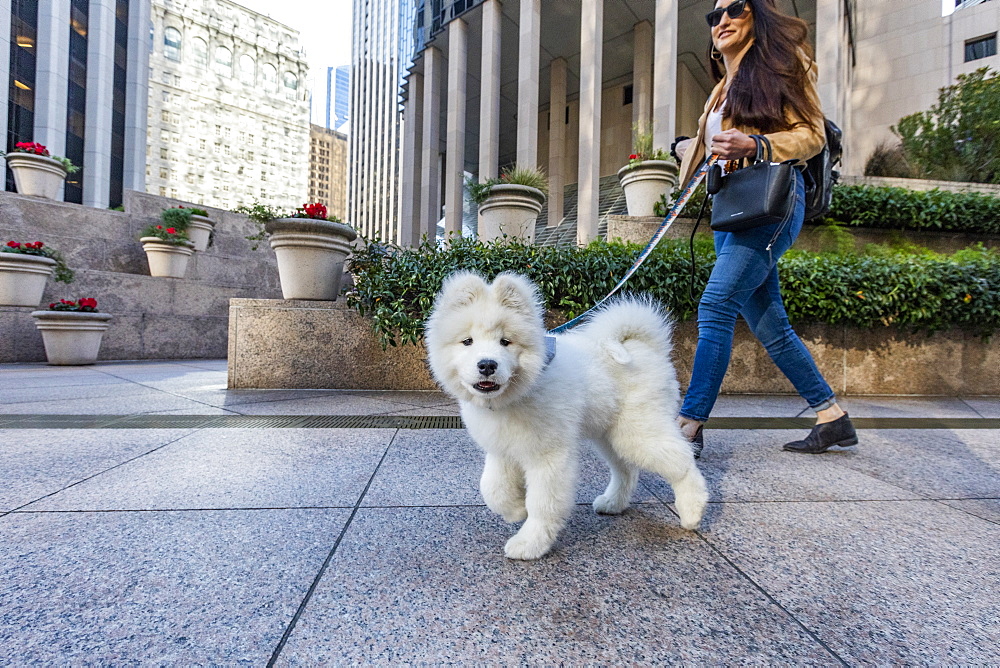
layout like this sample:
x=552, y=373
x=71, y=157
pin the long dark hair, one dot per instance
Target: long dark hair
x=772, y=75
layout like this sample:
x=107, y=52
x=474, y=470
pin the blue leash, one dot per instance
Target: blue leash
x=675, y=211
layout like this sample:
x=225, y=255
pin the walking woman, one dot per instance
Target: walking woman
x=766, y=85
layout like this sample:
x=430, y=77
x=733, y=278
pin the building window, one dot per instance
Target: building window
x=200, y=50
x=248, y=70
x=172, y=44
x=223, y=62
x=984, y=47
x=270, y=76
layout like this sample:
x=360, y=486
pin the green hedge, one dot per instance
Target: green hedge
x=928, y=292
x=900, y=208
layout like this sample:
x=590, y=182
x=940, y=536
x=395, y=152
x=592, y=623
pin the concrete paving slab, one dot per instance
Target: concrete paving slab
x=63, y=377
x=431, y=467
x=749, y=466
x=431, y=586
x=138, y=400
x=935, y=463
x=427, y=411
x=987, y=509
x=412, y=397
x=917, y=407
x=333, y=404
x=169, y=588
x=881, y=583
x=18, y=394
x=37, y=462
x=752, y=405
x=217, y=394
x=238, y=468
x=987, y=407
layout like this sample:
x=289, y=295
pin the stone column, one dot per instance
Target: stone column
x=51, y=75
x=100, y=96
x=642, y=73
x=489, y=97
x=430, y=196
x=410, y=230
x=5, y=81
x=665, y=74
x=458, y=53
x=136, y=96
x=829, y=44
x=527, y=87
x=591, y=74
x=557, y=139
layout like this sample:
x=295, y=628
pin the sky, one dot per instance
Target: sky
x=324, y=27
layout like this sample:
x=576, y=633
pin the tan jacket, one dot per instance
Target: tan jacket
x=805, y=139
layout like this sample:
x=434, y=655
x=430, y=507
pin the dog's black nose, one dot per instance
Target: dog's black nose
x=487, y=367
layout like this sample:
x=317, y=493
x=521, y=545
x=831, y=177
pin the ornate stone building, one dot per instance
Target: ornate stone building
x=560, y=84
x=228, y=107
x=328, y=169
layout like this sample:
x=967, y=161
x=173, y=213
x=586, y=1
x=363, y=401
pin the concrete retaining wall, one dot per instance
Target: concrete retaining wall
x=922, y=184
x=296, y=344
x=154, y=317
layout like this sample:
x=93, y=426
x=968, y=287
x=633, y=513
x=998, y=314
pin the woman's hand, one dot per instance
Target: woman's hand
x=733, y=145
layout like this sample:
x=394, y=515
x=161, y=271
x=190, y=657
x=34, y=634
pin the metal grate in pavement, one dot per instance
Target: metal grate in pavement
x=41, y=421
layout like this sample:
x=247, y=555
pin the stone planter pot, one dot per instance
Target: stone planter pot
x=71, y=337
x=510, y=210
x=200, y=232
x=311, y=256
x=23, y=277
x=37, y=175
x=645, y=183
x=166, y=260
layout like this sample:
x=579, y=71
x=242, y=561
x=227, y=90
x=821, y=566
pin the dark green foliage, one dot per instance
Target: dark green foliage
x=177, y=217
x=889, y=160
x=395, y=286
x=958, y=139
x=900, y=208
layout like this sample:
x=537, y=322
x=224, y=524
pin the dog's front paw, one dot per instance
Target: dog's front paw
x=609, y=504
x=527, y=545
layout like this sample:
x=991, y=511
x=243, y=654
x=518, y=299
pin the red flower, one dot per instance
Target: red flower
x=52, y=304
x=37, y=244
x=159, y=227
x=86, y=302
x=315, y=210
x=633, y=156
x=171, y=230
x=64, y=301
x=13, y=244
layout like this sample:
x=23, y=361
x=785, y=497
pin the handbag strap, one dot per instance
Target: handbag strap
x=762, y=143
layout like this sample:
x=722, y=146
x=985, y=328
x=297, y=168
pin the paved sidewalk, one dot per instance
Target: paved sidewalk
x=202, y=545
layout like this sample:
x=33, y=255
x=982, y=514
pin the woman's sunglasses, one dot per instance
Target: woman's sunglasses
x=734, y=10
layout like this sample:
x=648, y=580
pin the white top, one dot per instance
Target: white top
x=713, y=126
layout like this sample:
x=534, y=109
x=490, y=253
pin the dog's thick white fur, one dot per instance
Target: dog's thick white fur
x=611, y=382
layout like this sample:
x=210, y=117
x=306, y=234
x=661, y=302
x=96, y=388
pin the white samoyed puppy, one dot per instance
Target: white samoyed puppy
x=609, y=381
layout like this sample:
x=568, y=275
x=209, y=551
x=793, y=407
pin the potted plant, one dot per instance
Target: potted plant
x=72, y=331
x=509, y=205
x=649, y=174
x=167, y=251
x=24, y=269
x=310, y=246
x=37, y=173
x=195, y=222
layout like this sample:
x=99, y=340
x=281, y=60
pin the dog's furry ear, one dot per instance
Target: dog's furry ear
x=462, y=288
x=517, y=292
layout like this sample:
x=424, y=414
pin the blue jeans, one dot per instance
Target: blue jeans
x=744, y=282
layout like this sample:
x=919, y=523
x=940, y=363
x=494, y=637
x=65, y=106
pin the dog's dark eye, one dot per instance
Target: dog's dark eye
x=504, y=342
x=467, y=342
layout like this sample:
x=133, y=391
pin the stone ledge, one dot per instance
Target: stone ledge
x=285, y=344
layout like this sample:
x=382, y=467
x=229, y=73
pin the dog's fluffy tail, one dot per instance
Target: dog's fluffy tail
x=628, y=320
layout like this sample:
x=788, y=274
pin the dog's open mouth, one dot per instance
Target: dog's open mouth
x=486, y=386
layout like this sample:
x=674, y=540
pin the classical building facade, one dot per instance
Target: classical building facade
x=560, y=84
x=382, y=45
x=77, y=73
x=228, y=106
x=328, y=169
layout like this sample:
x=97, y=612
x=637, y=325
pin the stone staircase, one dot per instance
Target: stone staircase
x=611, y=201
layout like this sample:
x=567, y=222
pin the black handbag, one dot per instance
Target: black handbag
x=762, y=193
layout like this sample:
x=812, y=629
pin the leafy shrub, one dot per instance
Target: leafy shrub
x=889, y=161
x=396, y=286
x=900, y=208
